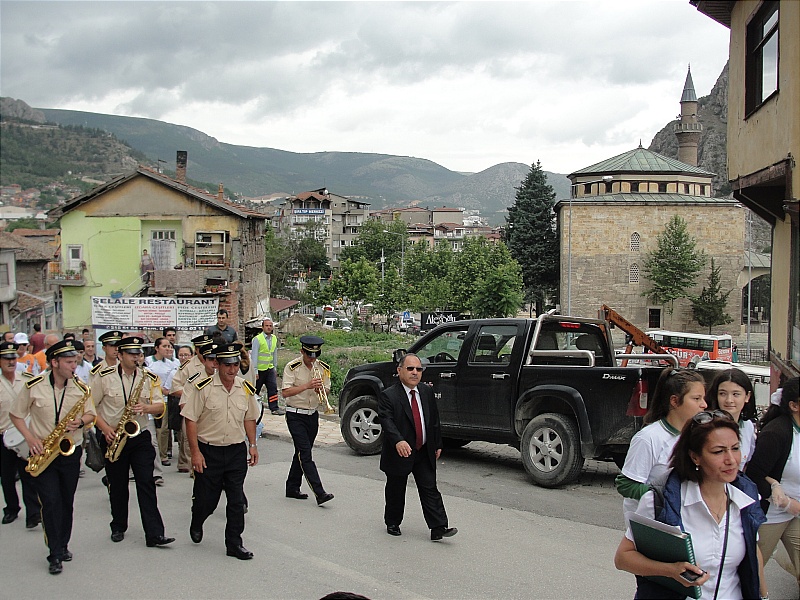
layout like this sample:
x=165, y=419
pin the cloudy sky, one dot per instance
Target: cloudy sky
x=465, y=84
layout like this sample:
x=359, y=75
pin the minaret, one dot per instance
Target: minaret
x=688, y=130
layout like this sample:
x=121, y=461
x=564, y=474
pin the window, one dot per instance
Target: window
x=587, y=189
x=494, y=344
x=761, y=63
x=608, y=187
x=633, y=274
x=662, y=187
x=4, y=280
x=445, y=347
x=635, y=241
x=74, y=257
x=166, y=234
x=702, y=190
x=653, y=318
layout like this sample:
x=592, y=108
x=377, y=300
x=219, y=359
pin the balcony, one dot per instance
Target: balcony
x=57, y=274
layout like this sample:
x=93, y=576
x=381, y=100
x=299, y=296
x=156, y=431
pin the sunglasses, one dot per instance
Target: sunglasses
x=417, y=369
x=706, y=416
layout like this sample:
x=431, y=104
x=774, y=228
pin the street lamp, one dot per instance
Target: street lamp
x=604, y=179
x=402, y=250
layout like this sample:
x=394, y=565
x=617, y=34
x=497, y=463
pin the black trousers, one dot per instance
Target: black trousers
x=269, y=378
x=226, y=469
x=429, y=495
x=10, y=466
x=138, y=456
x=303, y=429
x=56, y=487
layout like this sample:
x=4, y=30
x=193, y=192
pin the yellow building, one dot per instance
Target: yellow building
x=763, y=146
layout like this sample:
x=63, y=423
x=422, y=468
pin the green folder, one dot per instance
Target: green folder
x=664, y=543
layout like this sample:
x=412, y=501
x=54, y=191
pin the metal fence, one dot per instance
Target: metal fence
x=754, y=356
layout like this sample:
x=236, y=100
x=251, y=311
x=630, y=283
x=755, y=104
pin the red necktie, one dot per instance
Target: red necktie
x=417, y=419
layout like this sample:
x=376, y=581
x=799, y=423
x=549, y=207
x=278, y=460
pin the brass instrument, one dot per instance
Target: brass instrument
x=57, y=441
x=127, y=427
x=317, y=372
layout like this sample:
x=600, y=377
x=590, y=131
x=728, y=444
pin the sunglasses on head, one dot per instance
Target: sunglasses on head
x=417, y=369
x=706, y=416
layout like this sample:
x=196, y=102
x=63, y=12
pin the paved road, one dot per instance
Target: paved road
x=515, y=540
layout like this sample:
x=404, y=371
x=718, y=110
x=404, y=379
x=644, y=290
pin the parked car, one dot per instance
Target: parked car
x=548, y=386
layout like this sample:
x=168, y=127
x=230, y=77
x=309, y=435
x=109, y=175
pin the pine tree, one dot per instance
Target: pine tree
x=531, y=236
x=709, y=307
x=673, y=268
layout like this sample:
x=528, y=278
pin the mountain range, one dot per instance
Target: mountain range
x=379, y=179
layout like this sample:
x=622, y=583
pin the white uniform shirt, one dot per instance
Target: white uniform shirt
x=747, y=435
x=651, y=446
x=708, y=536
x=790, y=481
x=165, y=369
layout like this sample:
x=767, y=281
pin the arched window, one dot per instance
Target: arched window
x=633, y=274
x=635, y=239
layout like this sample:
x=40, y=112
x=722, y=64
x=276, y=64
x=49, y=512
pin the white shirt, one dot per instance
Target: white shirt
x=790, y=481
x=419, y=405
x=651, y=446
x=82, y=371
x=708, y=536
x=165, y=369
x=747, y=435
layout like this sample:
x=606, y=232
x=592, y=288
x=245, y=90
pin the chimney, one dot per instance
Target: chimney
x=180, y=166
x=221, y=192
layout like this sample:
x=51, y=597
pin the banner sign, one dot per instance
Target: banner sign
x=185, y=314
x=432, y=319
x=309, y=211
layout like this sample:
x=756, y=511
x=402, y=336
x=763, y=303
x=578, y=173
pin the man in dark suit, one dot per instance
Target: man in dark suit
x=412, y=442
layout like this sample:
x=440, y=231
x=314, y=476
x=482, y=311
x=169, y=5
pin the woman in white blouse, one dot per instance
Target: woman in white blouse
x=706, y=496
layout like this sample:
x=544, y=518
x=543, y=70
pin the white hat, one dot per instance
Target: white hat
x=21, y=338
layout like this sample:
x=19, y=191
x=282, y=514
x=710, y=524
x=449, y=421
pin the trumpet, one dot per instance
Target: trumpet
x=318, y=372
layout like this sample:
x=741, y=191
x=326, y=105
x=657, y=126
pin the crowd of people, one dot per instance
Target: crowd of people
x=704, y=465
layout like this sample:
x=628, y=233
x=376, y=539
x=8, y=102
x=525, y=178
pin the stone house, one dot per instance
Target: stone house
x=201, y=244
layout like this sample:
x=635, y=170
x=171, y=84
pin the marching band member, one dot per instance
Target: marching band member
x=49, y=399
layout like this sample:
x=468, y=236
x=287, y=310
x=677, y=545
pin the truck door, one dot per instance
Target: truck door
x=488, y=382
x=440, y=356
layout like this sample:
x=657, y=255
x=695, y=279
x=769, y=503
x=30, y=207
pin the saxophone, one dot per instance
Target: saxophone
x=127, y=427
x=57, y=441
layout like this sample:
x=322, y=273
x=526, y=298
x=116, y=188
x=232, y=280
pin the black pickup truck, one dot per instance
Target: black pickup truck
x=548, y=386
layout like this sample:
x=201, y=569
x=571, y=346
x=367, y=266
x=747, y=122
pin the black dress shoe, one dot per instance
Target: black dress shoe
x=196, y=535
x=158, y=540
x=9, y=518
x=393, y=530
x=32, y=522
x=324, y=498
x=55, y=567
x=117, y=536
x=437, y=533
x=66, y=556
x=297, y=495
x=240, y=552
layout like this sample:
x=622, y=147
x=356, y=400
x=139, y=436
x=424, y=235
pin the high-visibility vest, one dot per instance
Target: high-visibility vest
x=266, y=350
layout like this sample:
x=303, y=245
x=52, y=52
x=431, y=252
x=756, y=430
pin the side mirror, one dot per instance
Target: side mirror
x=398, y=355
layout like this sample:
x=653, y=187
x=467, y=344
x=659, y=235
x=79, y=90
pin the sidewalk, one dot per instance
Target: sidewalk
x=329, y=432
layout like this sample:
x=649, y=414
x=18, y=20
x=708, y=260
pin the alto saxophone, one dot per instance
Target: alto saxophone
x=127, y=427
x=57, y=442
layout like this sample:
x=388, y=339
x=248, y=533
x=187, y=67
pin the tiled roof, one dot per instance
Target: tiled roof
x=196, y=193
x=28, y=249
x=26, y=301
x=446, y=209
x=640, y=160
x=279, y=304
x=689, y=94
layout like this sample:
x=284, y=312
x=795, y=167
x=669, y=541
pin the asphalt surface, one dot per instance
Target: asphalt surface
x=515, y=540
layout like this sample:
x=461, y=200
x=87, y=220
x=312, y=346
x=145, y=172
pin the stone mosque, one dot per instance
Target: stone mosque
x=618, y=208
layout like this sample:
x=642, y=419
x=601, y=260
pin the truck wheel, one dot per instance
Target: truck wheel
x=551, y=450
x=360, y=427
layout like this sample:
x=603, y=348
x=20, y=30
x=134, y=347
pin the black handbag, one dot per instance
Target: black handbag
x=95, y=458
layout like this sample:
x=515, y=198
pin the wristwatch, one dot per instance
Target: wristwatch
x=253, y=445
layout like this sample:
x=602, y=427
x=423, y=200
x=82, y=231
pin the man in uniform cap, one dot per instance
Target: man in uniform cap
x=220, y=413
x=11, y=465
x=188, y=373
x=112, y=392
x=47, y=400
x=301, y=389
